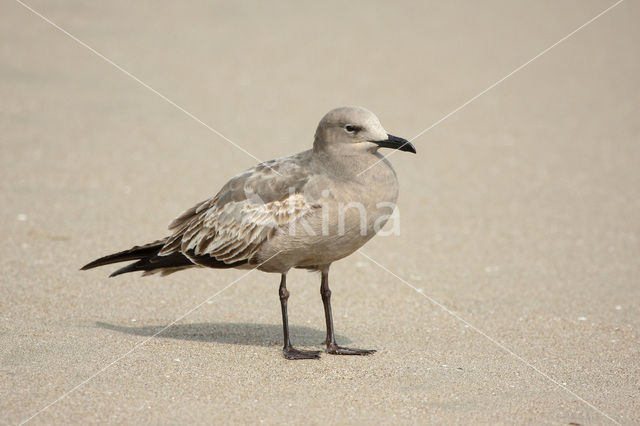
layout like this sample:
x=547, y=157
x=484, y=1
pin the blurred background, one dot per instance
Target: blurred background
x=521, y=211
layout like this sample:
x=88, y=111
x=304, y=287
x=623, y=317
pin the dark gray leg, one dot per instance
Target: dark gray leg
x=332, y=347
x=289, y=351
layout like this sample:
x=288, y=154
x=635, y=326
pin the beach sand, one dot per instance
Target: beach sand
x=519, y=217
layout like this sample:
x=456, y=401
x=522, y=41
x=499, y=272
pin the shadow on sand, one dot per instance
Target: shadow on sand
x=234, y=333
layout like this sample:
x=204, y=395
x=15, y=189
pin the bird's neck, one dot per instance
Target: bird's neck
x=353, y=165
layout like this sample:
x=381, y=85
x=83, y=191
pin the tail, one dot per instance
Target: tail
x=147, y=260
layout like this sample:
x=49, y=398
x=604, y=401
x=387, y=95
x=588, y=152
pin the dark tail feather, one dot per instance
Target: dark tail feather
x=147, y=259
x=146, y=256
x=137, y=252
x=174, y=260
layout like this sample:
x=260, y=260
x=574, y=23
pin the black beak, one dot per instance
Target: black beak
x=395, y=142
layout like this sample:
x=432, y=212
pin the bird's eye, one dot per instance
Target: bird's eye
x=351, y=129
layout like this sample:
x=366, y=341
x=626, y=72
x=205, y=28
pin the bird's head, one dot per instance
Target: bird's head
x=355, y=129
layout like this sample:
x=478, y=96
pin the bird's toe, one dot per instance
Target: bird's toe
x=339, y=350
x=293, y=353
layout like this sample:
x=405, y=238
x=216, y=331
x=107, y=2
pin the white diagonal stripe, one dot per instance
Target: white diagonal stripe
x=491, y=339
x=142, y=83
x=144, y=342
x=499, y=81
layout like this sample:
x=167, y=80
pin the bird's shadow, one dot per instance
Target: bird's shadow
x=235, y=333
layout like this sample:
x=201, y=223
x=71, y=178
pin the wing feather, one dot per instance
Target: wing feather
x=247, y=211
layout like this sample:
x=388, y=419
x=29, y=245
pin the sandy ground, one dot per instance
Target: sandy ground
x=520, y=213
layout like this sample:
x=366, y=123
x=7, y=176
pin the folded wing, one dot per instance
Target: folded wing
x=248, y=210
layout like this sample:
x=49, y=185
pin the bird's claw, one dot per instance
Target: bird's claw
x=293, y=353
x=339, y=350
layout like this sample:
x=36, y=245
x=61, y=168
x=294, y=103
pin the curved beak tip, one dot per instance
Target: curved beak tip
x=409, y=148
x=395, y=142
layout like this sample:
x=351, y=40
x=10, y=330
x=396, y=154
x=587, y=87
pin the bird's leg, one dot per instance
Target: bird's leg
x=332, y=347
x=289, y=351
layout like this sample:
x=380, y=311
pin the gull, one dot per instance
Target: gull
x=304, y=211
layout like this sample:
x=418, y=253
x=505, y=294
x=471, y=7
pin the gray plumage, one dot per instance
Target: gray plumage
x=303, y=211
